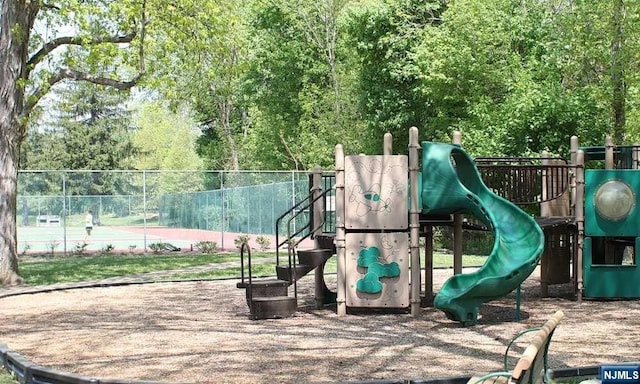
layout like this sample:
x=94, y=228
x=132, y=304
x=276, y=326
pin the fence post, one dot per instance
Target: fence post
x=144, y=210
x=64, y=213
x=293, y=197
x=273, y=211
x=223, y=210
x=260, y=209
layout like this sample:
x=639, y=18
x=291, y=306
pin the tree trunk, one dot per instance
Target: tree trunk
x=16, y=20
x=8, y=187
x=225, y=107
x=619, y=91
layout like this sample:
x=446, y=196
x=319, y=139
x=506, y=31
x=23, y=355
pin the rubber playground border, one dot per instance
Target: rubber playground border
x=27, y=372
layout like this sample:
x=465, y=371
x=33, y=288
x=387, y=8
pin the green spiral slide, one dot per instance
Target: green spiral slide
x=451, y=183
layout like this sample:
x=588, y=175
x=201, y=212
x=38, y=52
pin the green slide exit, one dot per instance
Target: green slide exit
x=451, y=183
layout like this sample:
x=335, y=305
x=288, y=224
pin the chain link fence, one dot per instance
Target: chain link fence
x=238, y=202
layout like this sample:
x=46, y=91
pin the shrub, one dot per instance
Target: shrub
x=264, y=242
x=241, y=240
x=25, y=249
x=79, y=248
x=52, y=245
x=206, y=246
x=156, y=248
x=108, y=248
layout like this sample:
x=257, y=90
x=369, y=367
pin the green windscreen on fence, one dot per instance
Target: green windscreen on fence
x=127, y=205
x=245, y=209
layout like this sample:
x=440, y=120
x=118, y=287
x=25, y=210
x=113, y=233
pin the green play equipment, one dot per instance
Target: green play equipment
x=373, y=211
x=451, y=184
x=611, y=230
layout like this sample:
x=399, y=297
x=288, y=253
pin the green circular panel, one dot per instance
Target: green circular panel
x=614, y=200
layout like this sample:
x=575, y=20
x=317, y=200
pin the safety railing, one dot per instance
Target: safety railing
x=525, y=181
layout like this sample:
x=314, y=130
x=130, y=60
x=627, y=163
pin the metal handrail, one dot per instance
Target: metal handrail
x=290, y=235
x=297, y=210
x=244, y=246
x=291, y=249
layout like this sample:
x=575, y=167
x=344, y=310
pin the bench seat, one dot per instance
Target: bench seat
x=532, y=366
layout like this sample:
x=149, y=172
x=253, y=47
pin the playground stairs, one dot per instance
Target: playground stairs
x=270, y=298
x=277, y=297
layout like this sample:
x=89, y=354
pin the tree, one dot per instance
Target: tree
x=300, y=85
x=42, y=45
x=165, y=140
x=89, y=128
x=387, y=36
x=96, y=128
x=206, y=71
x=517, y=77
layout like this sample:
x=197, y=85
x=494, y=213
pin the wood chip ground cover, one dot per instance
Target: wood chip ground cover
x=199, y=332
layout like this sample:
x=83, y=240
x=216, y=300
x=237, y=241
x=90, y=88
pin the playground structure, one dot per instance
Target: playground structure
x=384, y=204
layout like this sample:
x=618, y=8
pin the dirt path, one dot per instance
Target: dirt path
x=199, y=332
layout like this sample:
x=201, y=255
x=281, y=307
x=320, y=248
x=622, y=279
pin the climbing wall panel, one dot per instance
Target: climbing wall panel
x=377, y=270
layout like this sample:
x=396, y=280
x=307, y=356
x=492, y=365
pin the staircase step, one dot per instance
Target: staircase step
x=327, y=242
x=284, y=272
x=273, y=307
x=314, y=257
x=267, y=288
x=270, y=283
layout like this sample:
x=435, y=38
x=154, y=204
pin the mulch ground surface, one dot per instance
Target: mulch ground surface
x=200, y=332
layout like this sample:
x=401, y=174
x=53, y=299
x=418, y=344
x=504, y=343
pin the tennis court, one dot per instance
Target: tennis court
x=34, y=239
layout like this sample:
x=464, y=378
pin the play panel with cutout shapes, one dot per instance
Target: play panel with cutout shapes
x=377, y=270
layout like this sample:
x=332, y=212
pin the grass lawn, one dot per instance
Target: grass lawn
x=65, y=269
x=76, y=268
x=267, y=269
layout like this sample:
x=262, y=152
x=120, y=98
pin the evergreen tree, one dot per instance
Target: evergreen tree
x=89, y=130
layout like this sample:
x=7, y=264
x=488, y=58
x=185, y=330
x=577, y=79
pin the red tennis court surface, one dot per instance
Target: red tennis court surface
x=129, y=238
x=224, y=240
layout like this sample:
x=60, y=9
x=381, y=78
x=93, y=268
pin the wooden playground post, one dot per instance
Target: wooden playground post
x=457, y=224
x=608, y=164
x=608, y=154
x=545, y=211
x=414, y=221
x=579, y=215
x=318, y=221
x=341, y=252
x=387, y=144
x=575, y=145
x=572, y=183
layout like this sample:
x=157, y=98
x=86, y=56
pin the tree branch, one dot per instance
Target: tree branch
x=120, y=85
x=76, y=40
x=289, y=152
x=72, y=74
x=143, y=32
x=45, y=5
